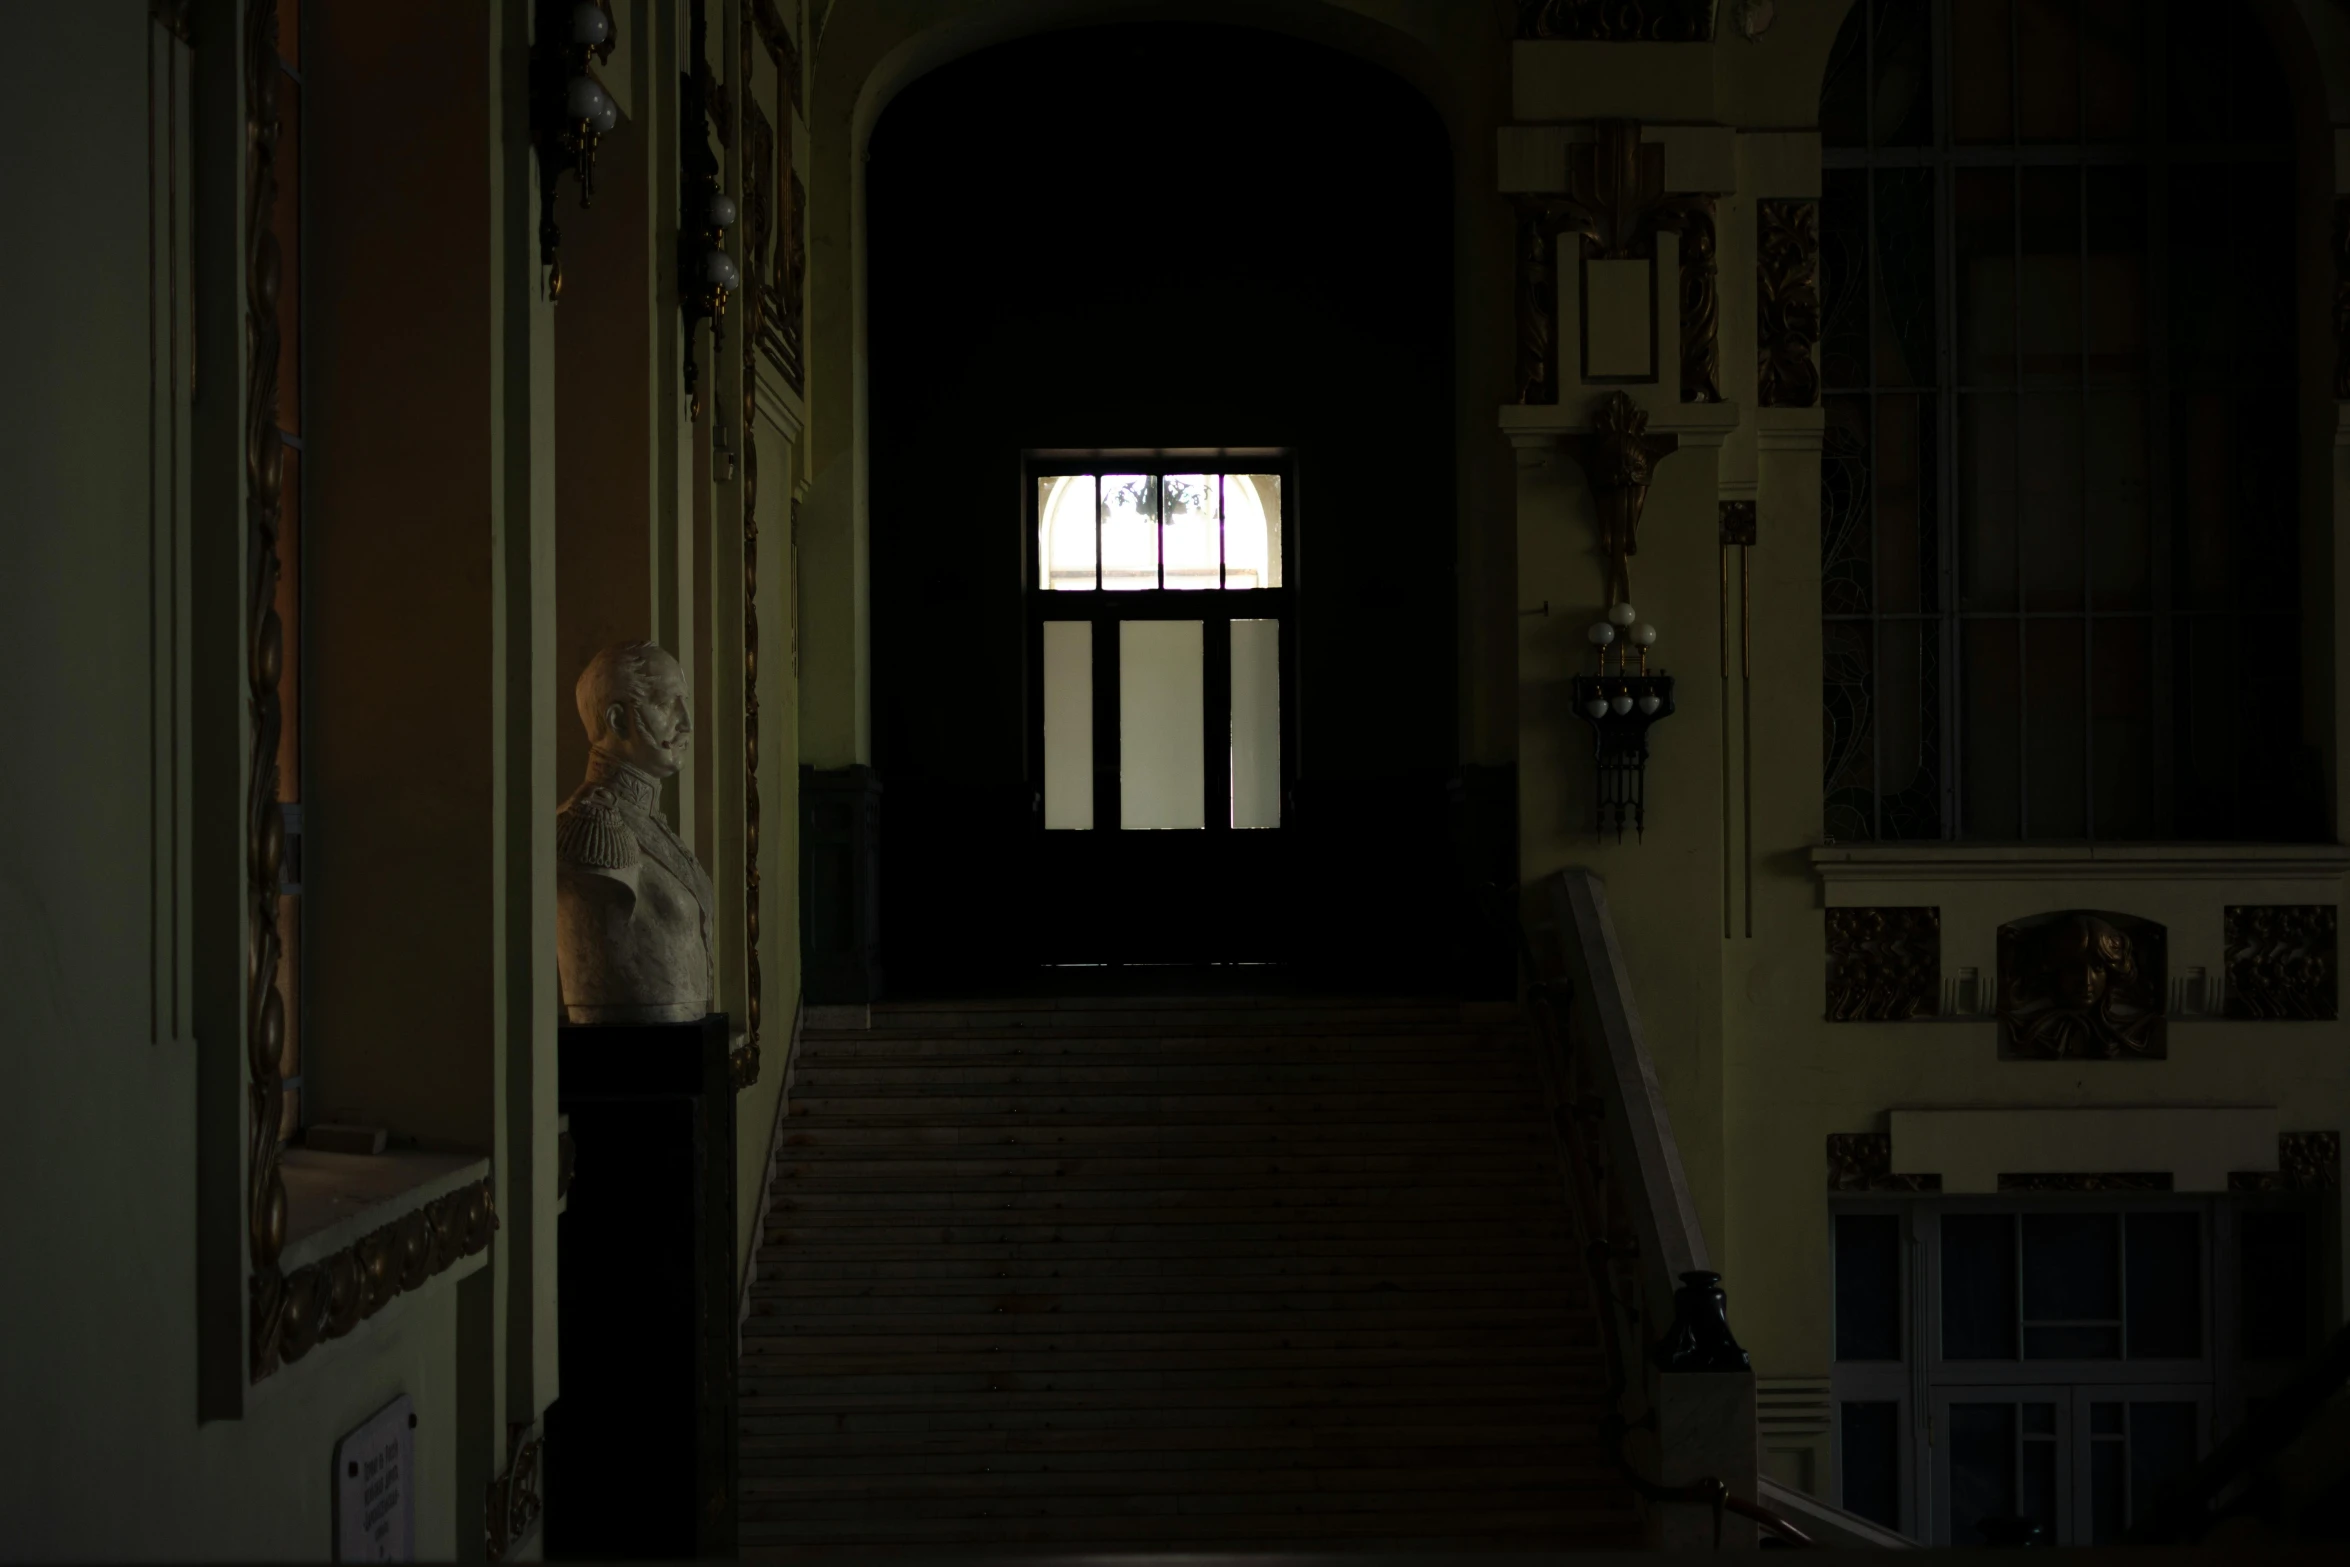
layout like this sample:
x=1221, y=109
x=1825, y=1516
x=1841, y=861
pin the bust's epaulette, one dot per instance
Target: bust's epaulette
x=589, y=832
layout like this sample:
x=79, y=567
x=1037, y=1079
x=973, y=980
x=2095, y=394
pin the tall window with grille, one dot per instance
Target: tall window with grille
x=2059, y=502
x=286, y=220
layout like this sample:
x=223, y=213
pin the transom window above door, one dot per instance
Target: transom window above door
x=1142, y=532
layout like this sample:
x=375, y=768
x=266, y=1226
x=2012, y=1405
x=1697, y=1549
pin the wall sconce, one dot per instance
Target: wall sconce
x=1620, y=708
x=569, y=112
x=707, y=279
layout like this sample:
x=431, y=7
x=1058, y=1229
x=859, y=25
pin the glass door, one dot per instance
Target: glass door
x=2003, y=1461
x=1161, y=693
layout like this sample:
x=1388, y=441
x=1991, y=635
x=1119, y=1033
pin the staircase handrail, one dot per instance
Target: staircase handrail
x=2223, y=1483
x=1640, y=1241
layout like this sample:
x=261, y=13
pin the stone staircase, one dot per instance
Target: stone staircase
x=1199, y=1275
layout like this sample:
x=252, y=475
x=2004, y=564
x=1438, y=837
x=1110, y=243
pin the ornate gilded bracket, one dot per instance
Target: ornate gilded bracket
x=1616, y=203
x=1618, y=456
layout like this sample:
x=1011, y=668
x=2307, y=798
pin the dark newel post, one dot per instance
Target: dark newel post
x=1700, y=1338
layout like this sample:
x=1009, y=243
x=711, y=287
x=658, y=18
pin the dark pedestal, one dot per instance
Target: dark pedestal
x=641, y=1439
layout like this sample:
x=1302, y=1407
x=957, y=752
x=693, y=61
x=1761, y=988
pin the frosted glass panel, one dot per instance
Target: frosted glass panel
x=1064, y=531
x=1068, y=723
x=1162, y=754
x=1252, y=530
x=1256, y=723
x=1130, y=530
x=1191, y=542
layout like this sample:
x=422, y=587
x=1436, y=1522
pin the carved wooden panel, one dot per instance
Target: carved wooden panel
x=1863, y=1162
x=1884, y=965
x=1618, y=21
x=2082, y=985
x=2306, y=1162
x=2281, y=961
x=1787, y=302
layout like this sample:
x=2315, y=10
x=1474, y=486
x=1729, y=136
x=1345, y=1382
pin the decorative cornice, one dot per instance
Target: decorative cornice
x=1787, y=302
x=1617, y=21
x=2281, y=962
x=328, y=1298
x=2306, y=1162
x=2116, y=1181
x=1912, y=863
x=1863, y=1162
x=273, y=1297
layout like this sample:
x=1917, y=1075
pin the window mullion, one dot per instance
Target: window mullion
x=2161, y=519
x=2015, y=326
x=1950, y=677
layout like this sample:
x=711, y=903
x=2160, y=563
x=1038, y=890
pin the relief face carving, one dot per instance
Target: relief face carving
x=632, y=905
x=2082, y=985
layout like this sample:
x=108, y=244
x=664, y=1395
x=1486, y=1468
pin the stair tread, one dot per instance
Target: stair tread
x=1278, y=1273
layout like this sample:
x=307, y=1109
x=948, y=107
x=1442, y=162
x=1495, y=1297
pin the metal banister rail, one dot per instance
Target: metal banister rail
x=1640, y=1233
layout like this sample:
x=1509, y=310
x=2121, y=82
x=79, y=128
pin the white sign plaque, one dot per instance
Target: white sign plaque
x=375, y=1487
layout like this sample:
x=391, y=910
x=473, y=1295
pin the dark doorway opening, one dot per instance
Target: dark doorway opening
x=1137, y=241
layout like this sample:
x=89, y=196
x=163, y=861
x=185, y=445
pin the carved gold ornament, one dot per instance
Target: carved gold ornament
x=2082, y=985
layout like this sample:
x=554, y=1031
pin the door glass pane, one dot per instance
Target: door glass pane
x=2273, y=1284
x=2036, y=1467
x=2162, y=1447
x=1130, y=531
x=1252, y=530
x=1068, y=724
x=1162, y=750
x=1978, y=1287
x=2166, y=1286
x=1256, y=723
x=2072, y=1286
x=1872, y=1462
x=1064, y=532
x=1982, y=1469
x=1189, y=544
x=2108, y=1503
x=1868, y=1286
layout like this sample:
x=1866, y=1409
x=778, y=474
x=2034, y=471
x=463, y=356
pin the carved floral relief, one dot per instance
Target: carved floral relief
x=2281, y=962
x=1884, y=965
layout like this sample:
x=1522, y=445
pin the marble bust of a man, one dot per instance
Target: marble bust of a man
x=632, y=905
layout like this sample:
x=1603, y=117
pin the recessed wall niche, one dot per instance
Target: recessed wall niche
x=2082, y=985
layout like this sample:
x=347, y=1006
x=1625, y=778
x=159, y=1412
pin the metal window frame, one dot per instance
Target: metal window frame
x=2157, y=154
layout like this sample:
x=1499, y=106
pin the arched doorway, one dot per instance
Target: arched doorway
x=1185, y=255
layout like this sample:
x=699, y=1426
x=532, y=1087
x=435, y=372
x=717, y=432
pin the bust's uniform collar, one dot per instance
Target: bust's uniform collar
x=632, y=788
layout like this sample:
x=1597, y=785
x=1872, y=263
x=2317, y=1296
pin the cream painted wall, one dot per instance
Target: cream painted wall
x=99, y=1119
x=1755, y=1077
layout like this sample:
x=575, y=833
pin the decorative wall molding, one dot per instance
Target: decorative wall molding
x=2281, y=962
x=1616, y=202
x=1617, y=21
x=279, y=1331
x=1863, y=1162
x=2342, y=296
x=328, y=1298
x=2306, y=1162
x=1787, y=302
x=512, y=1507
x=1884, y=964
x=2083, y=985
x=758, y=165
x=2119, y=1181
x=776, y=253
